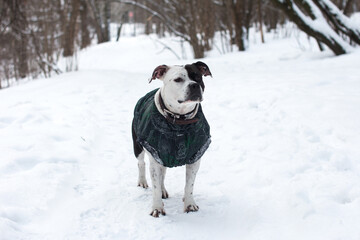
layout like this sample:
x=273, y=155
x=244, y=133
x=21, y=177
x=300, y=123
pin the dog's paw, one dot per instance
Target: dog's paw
x=156, y=212
x=191, y=208
x=143, y=184
x=190, y=205
x=165, y=194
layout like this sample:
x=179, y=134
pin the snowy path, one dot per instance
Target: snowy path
x=284, y=162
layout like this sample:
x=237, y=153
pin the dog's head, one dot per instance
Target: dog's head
x=184, y=84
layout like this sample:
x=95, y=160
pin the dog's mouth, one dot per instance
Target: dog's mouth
x=192, y=98
x=190, y=101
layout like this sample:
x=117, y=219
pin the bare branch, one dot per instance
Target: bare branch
x=164, y=19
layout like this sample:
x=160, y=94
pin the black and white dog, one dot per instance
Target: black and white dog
x=170, y=127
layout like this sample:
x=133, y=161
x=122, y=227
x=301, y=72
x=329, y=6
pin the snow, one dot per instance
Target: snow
x=283, y=163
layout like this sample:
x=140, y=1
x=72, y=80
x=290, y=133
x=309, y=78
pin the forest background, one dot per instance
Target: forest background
x=35, y=34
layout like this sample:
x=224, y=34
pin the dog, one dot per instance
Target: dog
x=170, y=127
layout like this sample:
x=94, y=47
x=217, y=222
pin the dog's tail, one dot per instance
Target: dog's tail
x=137, y=147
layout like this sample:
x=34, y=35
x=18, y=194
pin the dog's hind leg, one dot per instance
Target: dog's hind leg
x=142, y=176
x=139, y=154
x=163, y=189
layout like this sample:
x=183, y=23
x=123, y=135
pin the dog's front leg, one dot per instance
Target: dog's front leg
x=156, y=173
x=189, y=203
x=163, y=189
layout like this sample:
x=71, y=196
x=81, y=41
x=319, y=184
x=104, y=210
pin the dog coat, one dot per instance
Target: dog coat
x=170, y=144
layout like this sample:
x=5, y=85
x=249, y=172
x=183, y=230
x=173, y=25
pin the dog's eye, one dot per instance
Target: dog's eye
x=179, y=80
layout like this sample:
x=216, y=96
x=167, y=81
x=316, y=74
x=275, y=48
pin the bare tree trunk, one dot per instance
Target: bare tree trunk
x=347, y=8
x=71, y=29
x=62, y=19
x=248, y=16
x=18, y=24
x=95, y=8
x=260, y=20
x=85, y=34
x=69, y=46
x=107, y=14
x=238, y=22
x=198, y=49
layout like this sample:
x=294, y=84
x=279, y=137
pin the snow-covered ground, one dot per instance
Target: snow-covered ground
x=284, y=162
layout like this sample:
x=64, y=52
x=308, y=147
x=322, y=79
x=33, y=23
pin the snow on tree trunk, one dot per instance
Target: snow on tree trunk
x=340, y=21
x=309, y=18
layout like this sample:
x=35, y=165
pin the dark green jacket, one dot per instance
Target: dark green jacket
x=170, y=144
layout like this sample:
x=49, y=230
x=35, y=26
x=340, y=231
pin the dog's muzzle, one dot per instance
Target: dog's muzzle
x=195, y=93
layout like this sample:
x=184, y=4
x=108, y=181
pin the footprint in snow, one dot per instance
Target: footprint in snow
x=5, y=121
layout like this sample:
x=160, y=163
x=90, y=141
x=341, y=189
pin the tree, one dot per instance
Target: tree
x=238, y=17
x=322, y=20
x=193, y=21
x=33, y=34
x=17, y=25
x=259, y=13
x=100, y=10
x=69, y=43
x=85, y=23
x=338, y=20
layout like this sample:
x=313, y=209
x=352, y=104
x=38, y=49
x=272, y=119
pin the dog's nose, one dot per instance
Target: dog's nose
x=195, y=86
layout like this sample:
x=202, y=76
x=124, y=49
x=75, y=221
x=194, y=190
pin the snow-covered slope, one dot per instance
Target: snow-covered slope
x=283, y=163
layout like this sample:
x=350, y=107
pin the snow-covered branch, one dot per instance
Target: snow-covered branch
x=313, y=22
x=340, y=21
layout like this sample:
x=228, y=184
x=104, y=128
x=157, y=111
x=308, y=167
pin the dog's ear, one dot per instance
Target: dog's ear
x=203, y=68
x=159, y=72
